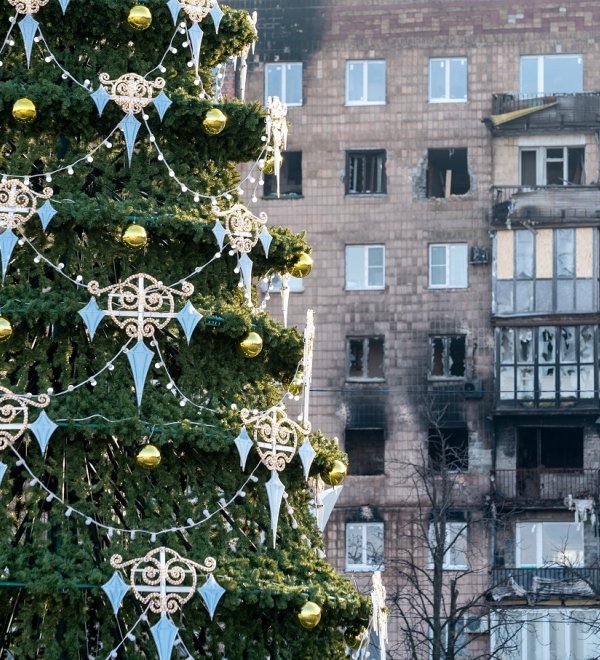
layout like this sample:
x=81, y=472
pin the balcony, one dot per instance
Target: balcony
x=550, y=205
x=546, y=582
x=513, y=114
x=545, y=487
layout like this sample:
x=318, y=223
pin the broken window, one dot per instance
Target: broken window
x=551, y=74
x=546, y=365
x=448, y=449
x=552, y=166
x=549, y=447
x=365, y=172
x=365, y=358
x=447, y=172
x=290, y=177
x=366, y=451
x=447, y=357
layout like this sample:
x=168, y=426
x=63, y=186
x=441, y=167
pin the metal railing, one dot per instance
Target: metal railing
x=545, y=484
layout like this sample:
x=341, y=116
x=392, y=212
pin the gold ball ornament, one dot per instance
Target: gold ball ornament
x=251, y=345
x=268, y=166
x=148, y=457
x=303, y=266
x=336, y=475
x=295, y=387
x=5, y=329
x=354, y=637
x=214, y=122
x=140, y=17
x=135, y=236
x=309, y=615
x=24, y=111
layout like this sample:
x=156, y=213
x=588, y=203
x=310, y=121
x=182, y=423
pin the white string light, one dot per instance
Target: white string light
x=128, y=635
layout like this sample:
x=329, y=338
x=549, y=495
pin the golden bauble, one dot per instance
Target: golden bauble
x=5, y=329
x=251, y=345
x=268, y=165
x=354, y=637
x=24, y=110
x=295, y=387
x=135, y=236
x=148, y=457
x=303, y=266
x=310, y=615
x=336, y=475
x=214, y=121
x=139, y=17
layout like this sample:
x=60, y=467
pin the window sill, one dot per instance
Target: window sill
x=355, y=104
x=377, y=288
x=269, y=198
x=363, y=569
x=366, y=194
x=446, y=288
x=438, y=101
x=366, y=379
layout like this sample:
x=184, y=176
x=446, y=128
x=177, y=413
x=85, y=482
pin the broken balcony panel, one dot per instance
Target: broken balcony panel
x=547, y=383
x=565, y=248
x=507, y=384
x=524, y=253
x=586, y=343
x=568, y=382
x=546, y=345
x=525, y=344
x=567, y=345
x=586, y=382
x=507, y=346
x=525, y=383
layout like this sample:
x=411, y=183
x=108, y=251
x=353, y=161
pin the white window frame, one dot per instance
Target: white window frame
x=364, y=285
x=283, y=91
x=541, y=160
x=365, y=65
x=541, y=59
x=454, y=530
x=448, y=81
x=574, y=528
x=364, y=566
x=461, y=638
x=451, y=249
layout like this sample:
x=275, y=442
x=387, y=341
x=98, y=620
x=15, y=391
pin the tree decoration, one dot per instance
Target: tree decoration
x=18, y=203
x=164, y=581
x=309, y=615
x=379, y=613
x=139, y=17
x=140, y=305
x=251, y=345
x=302, y=266
x=148, y=457
x=336, y=475
x=131, y=92
x=27, y=6
x=214, y=122
x=252, y=19
x=24, y=110
x=276, y=133
x=355, y=637
x=5, y=329
x=135, y=236
x=14, y=418
x=197, y=10
x=29, y=28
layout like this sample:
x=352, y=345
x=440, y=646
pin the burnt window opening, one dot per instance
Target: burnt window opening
x=365, y=172
x=366, y=451
x=448, y=449
x=447, y=172
x=552, y=448
x=365, y=358
x=447, y=359
x=290, y=177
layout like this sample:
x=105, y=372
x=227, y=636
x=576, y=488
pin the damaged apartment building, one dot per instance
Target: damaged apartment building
x=444, y=160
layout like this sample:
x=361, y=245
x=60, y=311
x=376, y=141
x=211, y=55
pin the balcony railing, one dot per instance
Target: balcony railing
x=549, y=581
x=545, y=485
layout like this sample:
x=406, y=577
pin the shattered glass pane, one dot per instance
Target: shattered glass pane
x=507, y=388
x=546, y=345
x=456, y=354
x=524, y=383
x=547, y=385
x=586, y=343
x=375, y=357
x=437, y=356
x=524, y=253
x=567, y=345
x=507, y=355
x=355, y=358
x=568, y=382
x=586, y=382
x=565, y=249
x=525, y=345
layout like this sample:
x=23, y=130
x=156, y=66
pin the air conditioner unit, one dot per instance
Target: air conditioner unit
x=479, y=255
x=476, y=625
x=473, y=389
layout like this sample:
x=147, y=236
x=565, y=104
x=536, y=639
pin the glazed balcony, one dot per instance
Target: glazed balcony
x=513, y=114
x=546, y=487
x=548, y=582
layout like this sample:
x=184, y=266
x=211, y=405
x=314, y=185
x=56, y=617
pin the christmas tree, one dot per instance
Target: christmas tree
x=158, y=498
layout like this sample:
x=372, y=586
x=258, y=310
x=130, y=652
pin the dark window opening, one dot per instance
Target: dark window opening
x=552, y=448
x=365, y=357
x=447, y=172
x=290, y=177
x=366, y=451
x=448, y=356
x=365, y=172
x=448, y=449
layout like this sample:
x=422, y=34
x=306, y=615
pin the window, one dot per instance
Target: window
x=536, y=634
x=547, y=365
x=552, y=166
x=448, y=449
x=447, y=172
x=366, y=451
x=447, y=356
x=549, y=543
x=455, y=545
x=365, y=267
x=551, y=74
x=284, y=79
x=448, y=79
x=365, y=358
x=460, y=639
x=290, y=177
x=365, y=172
x=364, y=546
x=365, y=82
x=448, y=266
x=549, y=270
x=541, y=448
